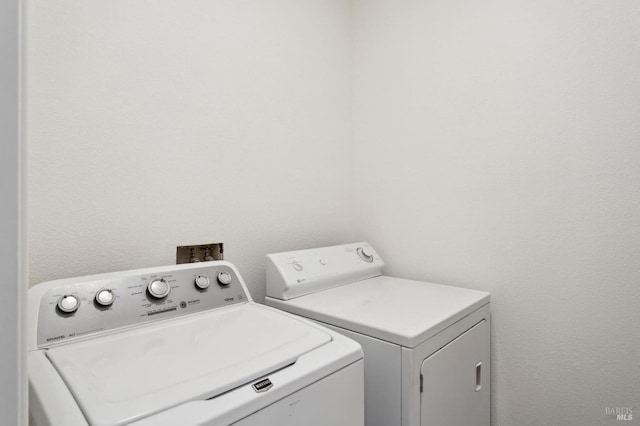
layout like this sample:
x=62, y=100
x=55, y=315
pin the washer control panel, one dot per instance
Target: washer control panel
x=79, y=307
x=296, y=273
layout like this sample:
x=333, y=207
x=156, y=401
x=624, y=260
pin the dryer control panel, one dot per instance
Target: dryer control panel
x=297, y=273
x=78, y=307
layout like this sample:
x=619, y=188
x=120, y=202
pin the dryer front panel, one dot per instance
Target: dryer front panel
x=456, y=381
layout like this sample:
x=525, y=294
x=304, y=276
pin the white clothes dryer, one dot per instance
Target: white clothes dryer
x=426, y=346
x=183, y=345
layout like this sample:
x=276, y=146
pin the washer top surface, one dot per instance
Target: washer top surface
x=396, y=310
x=121, y=377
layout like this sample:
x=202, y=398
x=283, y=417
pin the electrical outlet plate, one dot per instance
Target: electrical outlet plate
x=199, y=253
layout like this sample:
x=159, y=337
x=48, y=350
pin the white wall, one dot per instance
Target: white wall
x=12, y=366
x=497, y=147
x=153, y=124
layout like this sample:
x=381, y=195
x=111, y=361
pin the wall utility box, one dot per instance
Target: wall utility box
x=199, y=253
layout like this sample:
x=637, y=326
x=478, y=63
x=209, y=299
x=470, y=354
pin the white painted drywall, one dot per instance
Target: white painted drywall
x=12, y=367
x=497, y=146
x=153, y=124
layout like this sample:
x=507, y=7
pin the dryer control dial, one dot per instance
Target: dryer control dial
x=158, y=288
x=365, y=254
x=224, y=278
x=68, y=304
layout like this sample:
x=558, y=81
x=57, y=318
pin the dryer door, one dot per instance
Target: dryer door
x=455, y=381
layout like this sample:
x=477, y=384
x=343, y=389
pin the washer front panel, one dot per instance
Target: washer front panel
x=132, y=303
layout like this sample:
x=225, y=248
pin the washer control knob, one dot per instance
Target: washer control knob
x=224, y=278
x=68, y=303
x=158, y=288
x=202, y=282
x=365, y=254
x=104, y=297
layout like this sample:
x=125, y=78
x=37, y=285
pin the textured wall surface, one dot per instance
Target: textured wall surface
x=154, y=124
x=493, y=145
x=497, y=147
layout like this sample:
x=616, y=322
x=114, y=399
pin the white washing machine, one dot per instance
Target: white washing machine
x=183, y=345
x=426, y=346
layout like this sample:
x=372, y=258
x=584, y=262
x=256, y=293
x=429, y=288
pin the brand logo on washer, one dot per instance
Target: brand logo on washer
x=262, y=385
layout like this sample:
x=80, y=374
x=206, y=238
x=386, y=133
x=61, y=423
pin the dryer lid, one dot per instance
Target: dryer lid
x=127, y=376
x=396, y=310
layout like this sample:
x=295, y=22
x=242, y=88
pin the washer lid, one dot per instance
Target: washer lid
x=123, y=377
x=396, y=310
